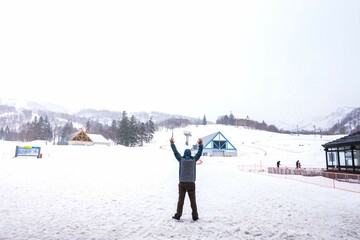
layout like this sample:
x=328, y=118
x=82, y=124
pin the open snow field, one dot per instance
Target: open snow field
x=100, y=192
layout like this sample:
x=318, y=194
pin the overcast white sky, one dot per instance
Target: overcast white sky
x=269, y=60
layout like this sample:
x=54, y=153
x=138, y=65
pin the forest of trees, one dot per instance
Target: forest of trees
x=172, y=123
x=127, y=132
x=57, y=127
x=247, y=122
x=38, y=129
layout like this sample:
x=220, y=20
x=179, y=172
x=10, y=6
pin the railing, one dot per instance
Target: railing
x=343, y=177
x=292, y=171
x=339, y=176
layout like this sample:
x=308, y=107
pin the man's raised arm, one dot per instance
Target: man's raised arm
x=175, y=151
x=200, y=149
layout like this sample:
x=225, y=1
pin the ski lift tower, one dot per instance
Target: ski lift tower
x=187, y=135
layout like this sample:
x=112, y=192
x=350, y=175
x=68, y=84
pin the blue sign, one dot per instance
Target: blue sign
x=30, y=151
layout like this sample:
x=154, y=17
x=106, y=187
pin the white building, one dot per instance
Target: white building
x=217, y=145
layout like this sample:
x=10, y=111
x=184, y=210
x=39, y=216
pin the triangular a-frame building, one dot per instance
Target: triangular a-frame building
x=217, y=145
x=83, y=138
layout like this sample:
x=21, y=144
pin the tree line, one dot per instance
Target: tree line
x=127, y=131
x=245, y=122
x=130, y=132
x=37, y=129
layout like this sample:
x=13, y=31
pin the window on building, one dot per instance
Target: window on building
x=357, y=157
x=332, y=159
x=342, y=158
x=348, y=158
x=219, y=144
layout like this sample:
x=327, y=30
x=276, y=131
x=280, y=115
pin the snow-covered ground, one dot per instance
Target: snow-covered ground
x=115, y=192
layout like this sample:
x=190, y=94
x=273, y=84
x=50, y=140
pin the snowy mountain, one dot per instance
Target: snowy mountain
x=324, y=122
x=15, y=112
x=106, y=116
x=350, y=123
x=32, y=105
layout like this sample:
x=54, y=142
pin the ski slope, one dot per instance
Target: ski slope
x=100, y=192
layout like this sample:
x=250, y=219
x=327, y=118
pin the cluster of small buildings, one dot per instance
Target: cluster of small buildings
x=215, y=145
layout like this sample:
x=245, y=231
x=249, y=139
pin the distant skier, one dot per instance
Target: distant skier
x=297, y=164
x=278, y=164
x=187, y=177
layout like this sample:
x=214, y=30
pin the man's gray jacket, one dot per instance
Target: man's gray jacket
x=187, y=163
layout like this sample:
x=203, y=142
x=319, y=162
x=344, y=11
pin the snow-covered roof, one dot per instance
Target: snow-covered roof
x=97, y=138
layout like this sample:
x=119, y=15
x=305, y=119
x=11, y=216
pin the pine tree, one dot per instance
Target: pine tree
x=48, y=134
x=141, y=133
x=204, y=122
x=7, y=136
x=133, y=132
x=34, y=131
x=112, y=132
x=67, y=130
x=124, y=130
x=87, y=127
x=226, y=120
x=150, y=130
x=40, y=129
x=2, y=133
x=231, y=119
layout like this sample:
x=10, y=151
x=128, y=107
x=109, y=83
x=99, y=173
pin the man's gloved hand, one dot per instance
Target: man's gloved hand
x=172, y=140
x=200, y=141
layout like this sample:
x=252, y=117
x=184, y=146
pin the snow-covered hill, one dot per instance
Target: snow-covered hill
x=32, y=105
x=101, y=192
x=321, y=122
x=325, y=122
x=61, y=115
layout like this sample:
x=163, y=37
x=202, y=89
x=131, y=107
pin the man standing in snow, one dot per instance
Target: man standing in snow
x=187, y=177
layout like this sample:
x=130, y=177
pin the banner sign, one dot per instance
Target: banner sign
x=29, y=151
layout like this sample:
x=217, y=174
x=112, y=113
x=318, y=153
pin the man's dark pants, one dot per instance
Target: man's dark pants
x=188, y=187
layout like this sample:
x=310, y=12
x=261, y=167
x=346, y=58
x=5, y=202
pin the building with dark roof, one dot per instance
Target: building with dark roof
x=343, y=154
